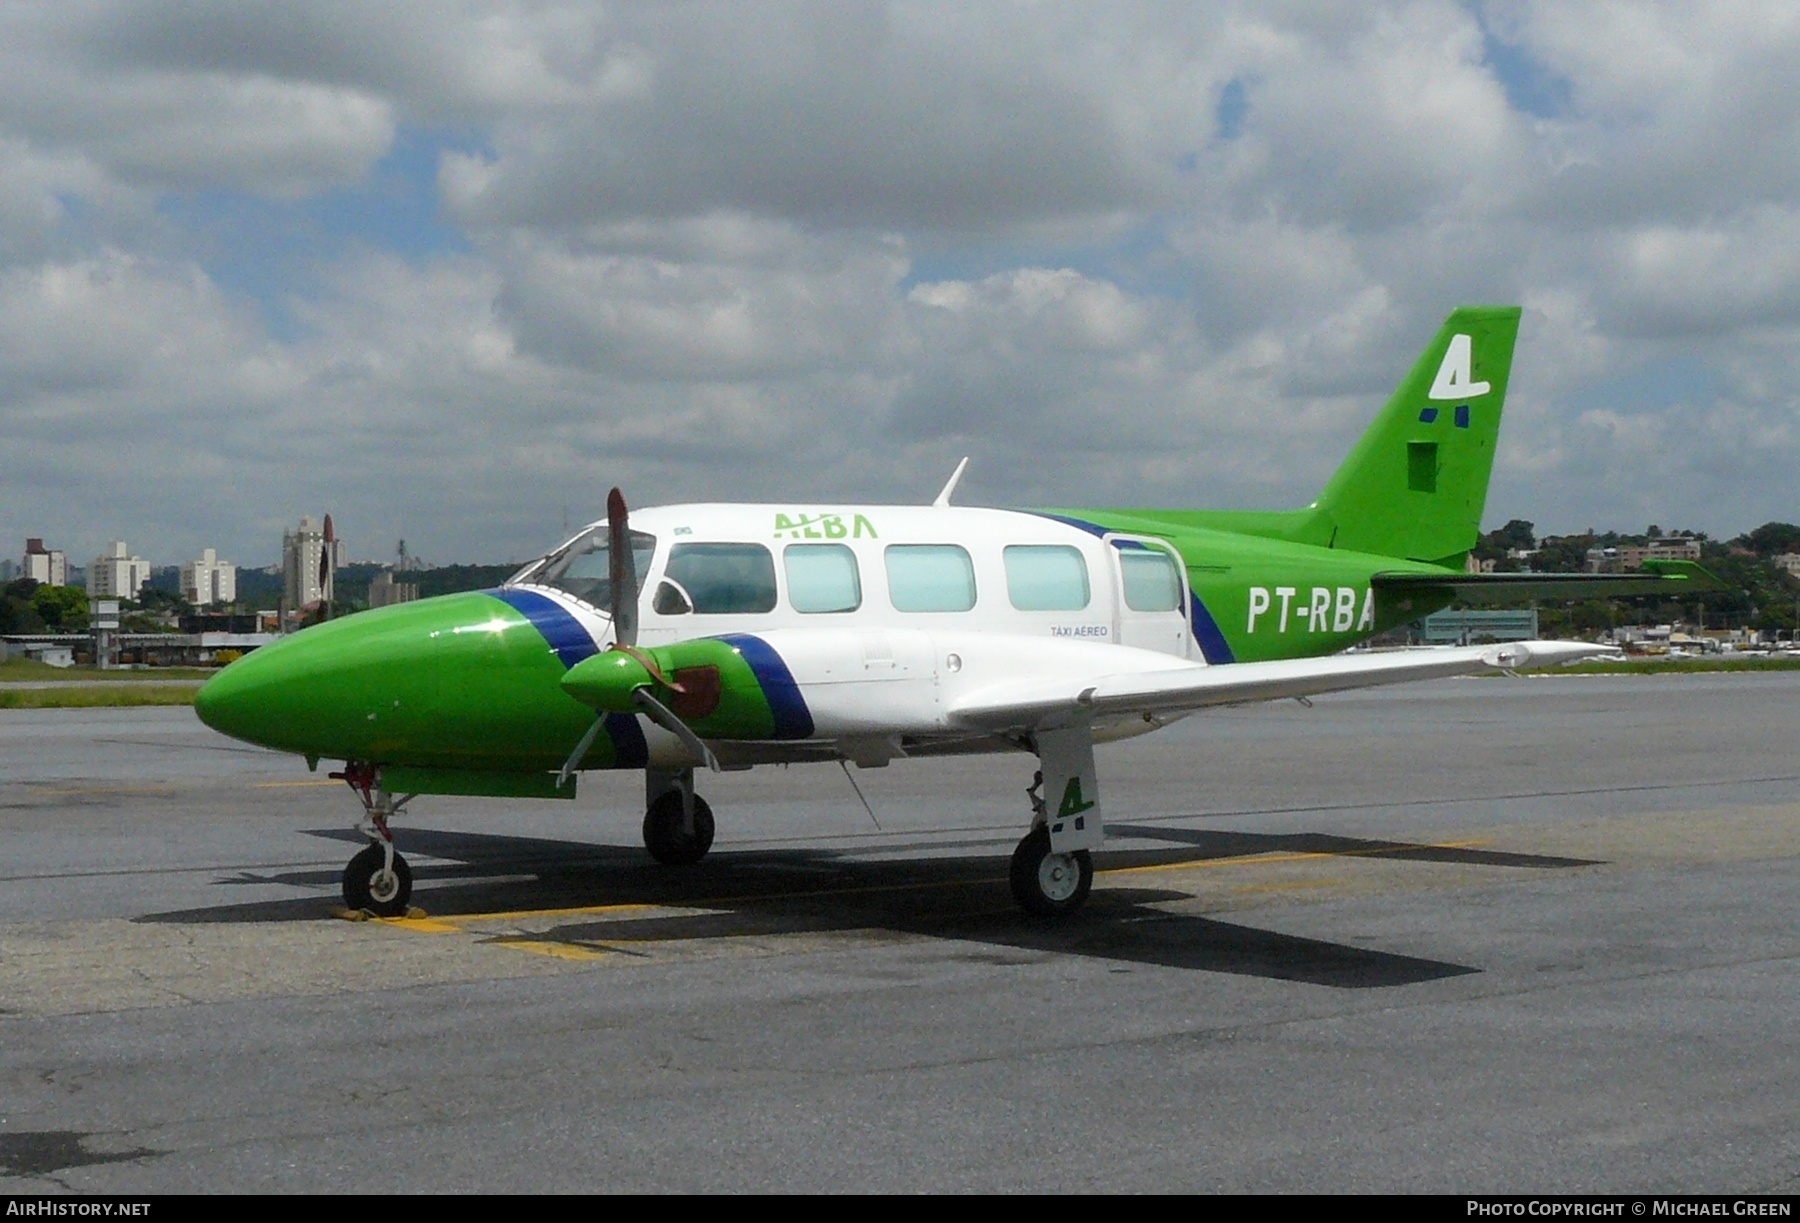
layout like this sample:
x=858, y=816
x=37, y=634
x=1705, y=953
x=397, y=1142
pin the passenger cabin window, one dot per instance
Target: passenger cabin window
x=1046, y=577
x=583, y=566
x=718, y=579
x=1152, y=583
x=822, y=578
x=930, y=578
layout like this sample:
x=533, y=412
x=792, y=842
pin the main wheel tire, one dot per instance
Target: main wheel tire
x=663, y=835
x=369, y=885
x=1047, y=884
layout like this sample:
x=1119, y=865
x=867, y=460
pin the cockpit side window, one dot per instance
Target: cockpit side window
x=724, y=579
x=582, y=567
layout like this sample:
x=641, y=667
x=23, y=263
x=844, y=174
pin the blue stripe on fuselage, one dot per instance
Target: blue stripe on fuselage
x=563, y=631
x=1077, y=523
x=793, y=720
x=1213, y=646
x=572, y=644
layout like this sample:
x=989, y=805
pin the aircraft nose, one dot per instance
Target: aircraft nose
x=266, y=696
x=348, y=689
x=457, y=681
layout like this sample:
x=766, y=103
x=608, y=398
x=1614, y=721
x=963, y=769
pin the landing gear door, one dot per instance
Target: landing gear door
x=1150, y=585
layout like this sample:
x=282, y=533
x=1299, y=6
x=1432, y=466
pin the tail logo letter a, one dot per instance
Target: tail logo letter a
x=1455, y=377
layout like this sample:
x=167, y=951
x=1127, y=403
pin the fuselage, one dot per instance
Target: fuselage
x=837, y=632
x=734, y=635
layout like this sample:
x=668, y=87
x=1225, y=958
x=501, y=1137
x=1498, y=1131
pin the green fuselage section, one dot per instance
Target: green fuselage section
x=460, y=681
x=1272, y=598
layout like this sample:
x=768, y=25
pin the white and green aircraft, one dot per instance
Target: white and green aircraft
x=725, y=636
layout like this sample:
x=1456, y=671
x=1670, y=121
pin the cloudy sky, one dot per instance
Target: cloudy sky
x=449, y=271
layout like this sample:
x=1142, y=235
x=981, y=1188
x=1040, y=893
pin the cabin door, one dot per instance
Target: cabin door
x=1150, y=595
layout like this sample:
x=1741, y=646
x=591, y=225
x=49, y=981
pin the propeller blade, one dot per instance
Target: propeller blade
x=623, y=570
x=581, y=749
x=665, y=717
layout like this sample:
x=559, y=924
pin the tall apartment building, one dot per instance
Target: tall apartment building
x=118, y=574
x=301, y=552
x=209, y=581
x=45, y=565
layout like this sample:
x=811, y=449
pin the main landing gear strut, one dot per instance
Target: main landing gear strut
x=378, y=880
x=1052, y=869
x=678, y=826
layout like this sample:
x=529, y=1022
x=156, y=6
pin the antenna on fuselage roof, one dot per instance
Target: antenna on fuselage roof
x=943, y=498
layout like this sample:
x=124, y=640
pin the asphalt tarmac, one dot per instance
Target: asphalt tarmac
x=1486, y=935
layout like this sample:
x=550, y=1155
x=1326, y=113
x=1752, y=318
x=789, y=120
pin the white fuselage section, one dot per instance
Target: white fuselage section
x=887, y=616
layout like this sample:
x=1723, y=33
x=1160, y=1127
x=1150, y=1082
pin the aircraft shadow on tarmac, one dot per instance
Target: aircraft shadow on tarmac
x=961, y=898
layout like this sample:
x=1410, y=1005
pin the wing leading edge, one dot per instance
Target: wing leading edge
x=1029, y=704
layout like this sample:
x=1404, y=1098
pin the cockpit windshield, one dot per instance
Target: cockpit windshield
x=583, y=567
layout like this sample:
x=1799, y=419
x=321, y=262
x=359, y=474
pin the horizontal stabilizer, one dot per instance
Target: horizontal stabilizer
x=1671, y=579
x=1028, y=704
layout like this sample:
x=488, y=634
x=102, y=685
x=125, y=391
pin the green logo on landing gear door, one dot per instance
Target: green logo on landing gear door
x=1072, y=802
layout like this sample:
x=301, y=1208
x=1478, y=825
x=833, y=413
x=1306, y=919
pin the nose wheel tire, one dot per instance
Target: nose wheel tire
x=667, y=841
x=1047, y=884
x=368, y=884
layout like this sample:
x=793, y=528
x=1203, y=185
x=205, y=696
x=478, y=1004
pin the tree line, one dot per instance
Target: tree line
x=1757, y=594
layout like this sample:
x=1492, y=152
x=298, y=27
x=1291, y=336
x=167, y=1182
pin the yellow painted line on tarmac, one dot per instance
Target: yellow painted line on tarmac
x=556, y=951
x=455, y=923
x=144, y=789
x=704, y=902
x=856, y=891
x=1289, y=886
x=166, y=789
x=529, y=914
x=1271, y=859
x=421, y=925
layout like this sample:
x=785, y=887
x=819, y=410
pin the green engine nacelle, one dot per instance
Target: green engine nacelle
x=707, y=683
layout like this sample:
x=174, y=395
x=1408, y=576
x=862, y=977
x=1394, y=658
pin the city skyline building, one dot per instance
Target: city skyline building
x=46, y=566
x=118, y=574
x=209, y=581
x=302, y=550
x=384, y=591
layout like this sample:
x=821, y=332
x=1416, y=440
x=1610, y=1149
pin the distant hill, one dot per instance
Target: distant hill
x=451, y=578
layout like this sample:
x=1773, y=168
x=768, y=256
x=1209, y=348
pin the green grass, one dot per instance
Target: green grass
x=96, y=698
x=21, y=669
x=1673, y=666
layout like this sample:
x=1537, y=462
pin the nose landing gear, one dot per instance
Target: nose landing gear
x=378, y=880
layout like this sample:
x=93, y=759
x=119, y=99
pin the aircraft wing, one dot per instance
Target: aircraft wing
x=1025, y=704
x=1671, y=579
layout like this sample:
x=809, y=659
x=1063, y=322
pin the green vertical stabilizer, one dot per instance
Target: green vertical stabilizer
x=1415, y=483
